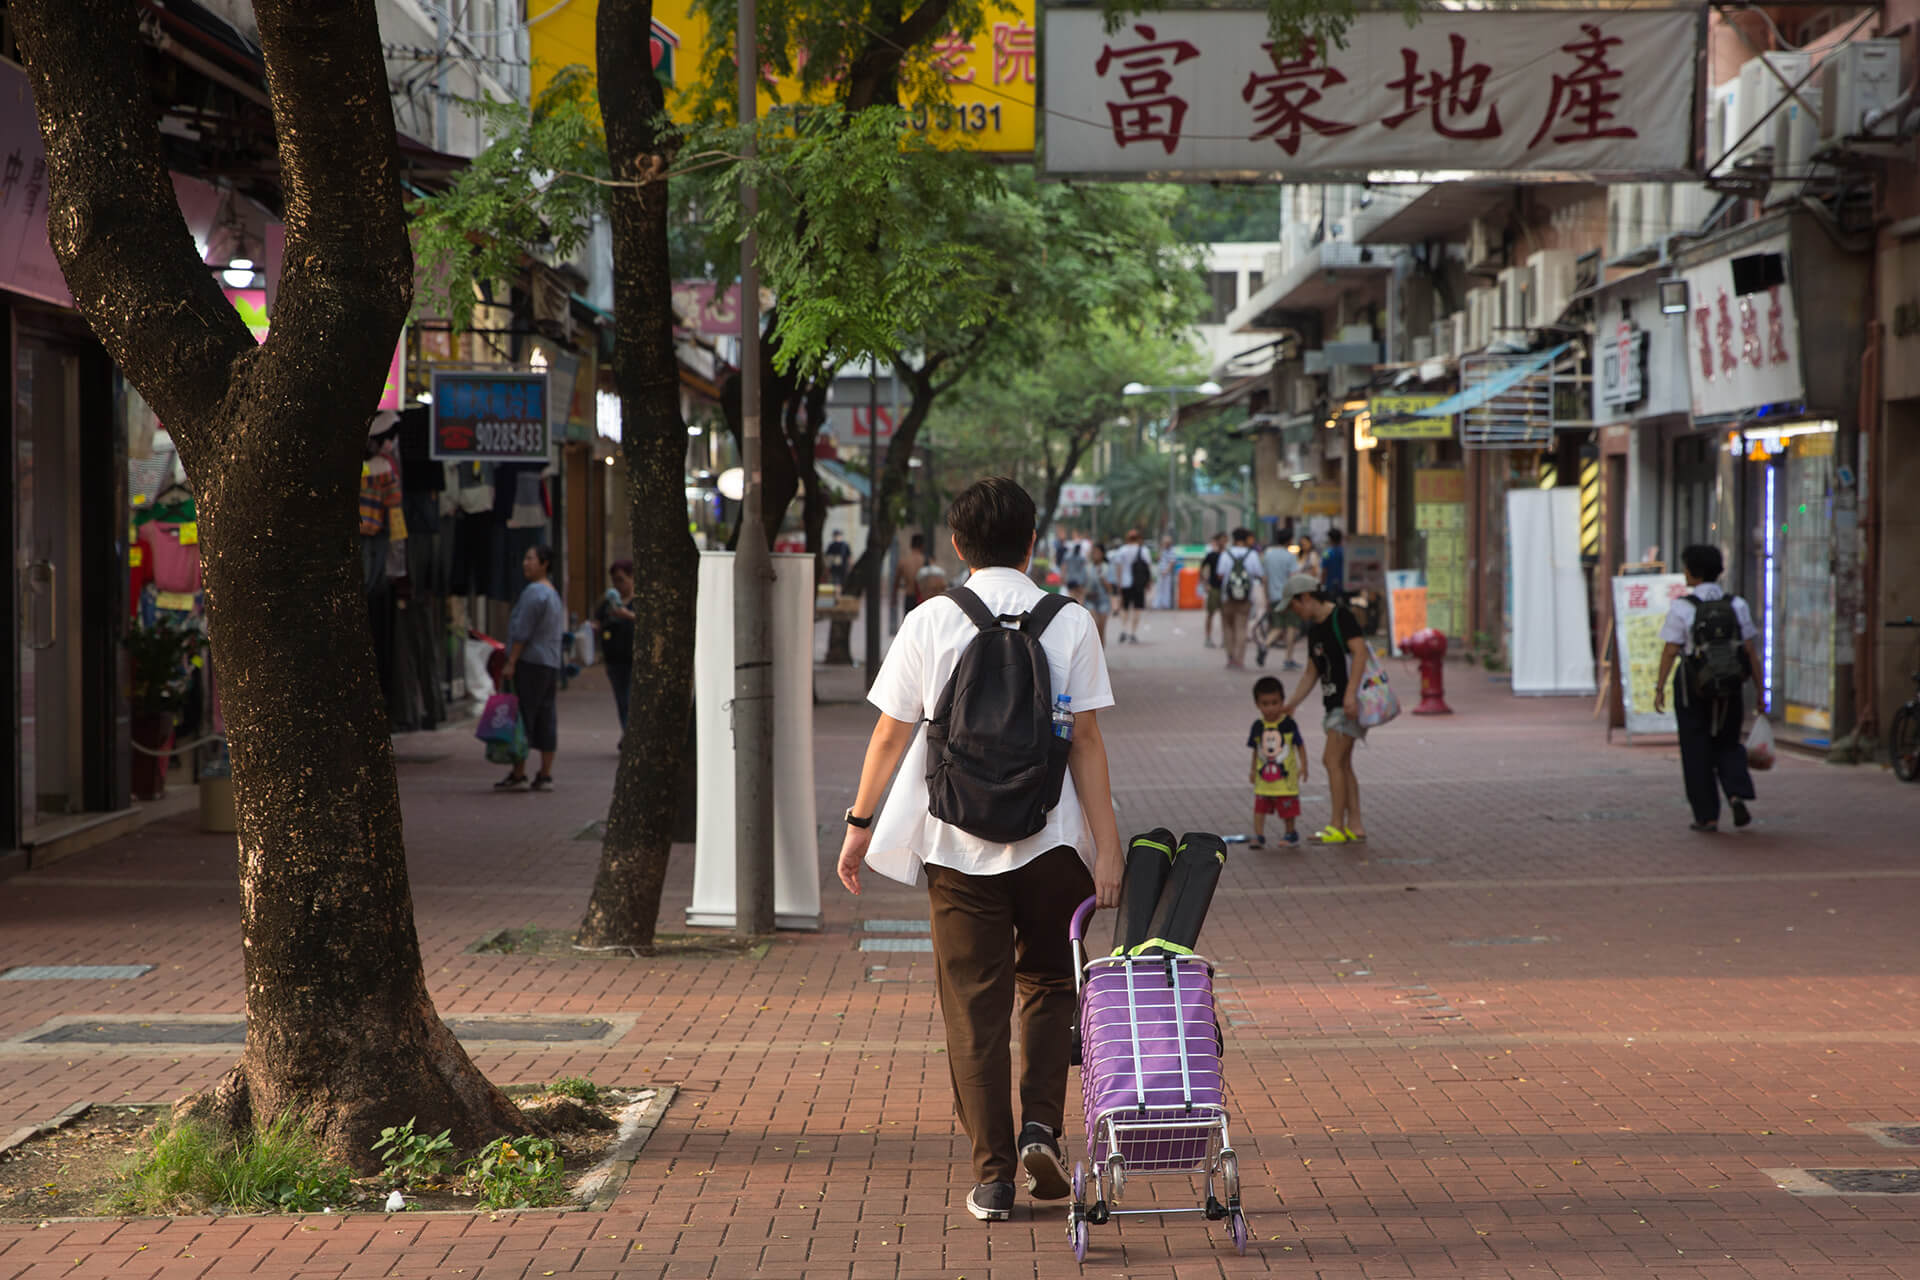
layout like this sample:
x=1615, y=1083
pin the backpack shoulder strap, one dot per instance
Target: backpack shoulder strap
x=1046, y=610
x=975, y=609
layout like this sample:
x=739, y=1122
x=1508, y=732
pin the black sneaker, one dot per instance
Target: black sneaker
x=512, y=782
x=1741, y=817
x=991, y=1201
x=1046, y=1167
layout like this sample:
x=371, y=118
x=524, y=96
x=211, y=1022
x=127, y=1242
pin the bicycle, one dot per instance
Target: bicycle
x=1903, y=734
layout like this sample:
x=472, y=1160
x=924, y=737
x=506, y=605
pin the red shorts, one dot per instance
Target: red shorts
x=1281, y=806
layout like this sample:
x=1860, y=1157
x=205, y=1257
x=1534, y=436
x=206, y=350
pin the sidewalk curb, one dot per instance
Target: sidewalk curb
x=600, y=1187
x=27, y=1133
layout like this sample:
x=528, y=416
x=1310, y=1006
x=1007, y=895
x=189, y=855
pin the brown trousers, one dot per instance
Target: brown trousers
x=995, y=937
x=1233, y=618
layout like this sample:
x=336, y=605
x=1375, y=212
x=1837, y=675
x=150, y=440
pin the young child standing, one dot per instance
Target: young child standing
x=1279, y=766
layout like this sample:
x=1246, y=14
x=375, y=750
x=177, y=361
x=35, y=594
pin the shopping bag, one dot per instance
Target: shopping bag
x=1760, y=745
x=511, y=749
x=1375, y=696
x=499, y=719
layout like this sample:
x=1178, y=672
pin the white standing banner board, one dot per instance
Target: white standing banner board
x=1552, y=628
x=1199, y=93
x=1640, y=603
x=796, y=839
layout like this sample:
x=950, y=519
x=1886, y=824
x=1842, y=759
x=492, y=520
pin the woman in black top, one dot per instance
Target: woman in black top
x=1339, y=655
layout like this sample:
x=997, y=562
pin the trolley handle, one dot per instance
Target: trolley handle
x=1078, y=931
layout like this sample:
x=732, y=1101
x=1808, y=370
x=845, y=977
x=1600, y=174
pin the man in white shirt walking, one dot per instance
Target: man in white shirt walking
x=1711, y=635
x=1133, y=570
x=999, y=912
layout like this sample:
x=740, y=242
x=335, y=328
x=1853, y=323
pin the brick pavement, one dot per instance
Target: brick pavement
x=1534, y=1028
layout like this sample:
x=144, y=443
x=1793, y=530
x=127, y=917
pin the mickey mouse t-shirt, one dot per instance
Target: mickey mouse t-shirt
x=1276, y=756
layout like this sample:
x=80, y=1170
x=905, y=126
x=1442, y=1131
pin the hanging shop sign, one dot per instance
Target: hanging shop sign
x=1743, y=337
x=1399, y=418
x=1083, y=495
x=1623, y=366
x=490, y=416
x=1207, y=93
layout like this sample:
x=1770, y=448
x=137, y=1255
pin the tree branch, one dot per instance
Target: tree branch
x=874, y=75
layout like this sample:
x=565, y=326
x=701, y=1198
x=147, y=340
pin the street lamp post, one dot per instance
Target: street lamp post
x=1207, y=388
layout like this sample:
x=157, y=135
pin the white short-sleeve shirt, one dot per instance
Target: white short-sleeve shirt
x=1678, y=628
x=908, y=684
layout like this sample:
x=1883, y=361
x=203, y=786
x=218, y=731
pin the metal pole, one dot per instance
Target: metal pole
x=752, y=567
x=874, y=569
x=1173, y=456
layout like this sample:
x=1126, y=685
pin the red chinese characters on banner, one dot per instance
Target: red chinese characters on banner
x=1582, y=106
x=1703, y=321
x=1451, y=97
x=1749, y=333
x=950, y=54
x=1776, y=328
x=1013, y=53
x=1723, y=332
x=1286, y=97
x=1149, y=113
x=1639, y=595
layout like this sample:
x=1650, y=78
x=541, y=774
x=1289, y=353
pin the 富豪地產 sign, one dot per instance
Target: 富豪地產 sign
x=489, y=416
x=1399, y=418
x=1208, y=94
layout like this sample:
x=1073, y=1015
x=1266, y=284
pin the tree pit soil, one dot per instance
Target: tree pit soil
x=531, y=940
x=70, y=1170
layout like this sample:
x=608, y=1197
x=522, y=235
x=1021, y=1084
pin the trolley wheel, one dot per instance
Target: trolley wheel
x=1117, y=1175
x=1078, y=1232
x=1237, y=1228
x=1079, y=1184
x=1903, y=741
x=1229, y=1166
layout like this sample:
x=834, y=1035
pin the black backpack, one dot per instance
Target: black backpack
x=1717, y=666
x=994, y=766
x=1141, y=574
x=1239, y=582
x=616, y=635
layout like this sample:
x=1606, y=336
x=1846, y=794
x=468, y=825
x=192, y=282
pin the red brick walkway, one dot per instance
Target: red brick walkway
x=1534, y=1028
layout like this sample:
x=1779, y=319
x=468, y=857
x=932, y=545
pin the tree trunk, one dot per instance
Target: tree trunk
x=805, y=437
x=778, y=479
x=625, y=906
x=340, y=1028
x=891, y=483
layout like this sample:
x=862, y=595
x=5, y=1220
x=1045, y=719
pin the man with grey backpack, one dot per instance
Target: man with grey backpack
x=1004, y=808
x=1710, y=635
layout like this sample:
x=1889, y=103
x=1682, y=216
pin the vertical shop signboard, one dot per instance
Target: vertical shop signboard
x=1440, y=516
x=1640, y=603
x=490, y=416
x=1406, y=605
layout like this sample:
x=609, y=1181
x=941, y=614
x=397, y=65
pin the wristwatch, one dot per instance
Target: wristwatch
x=862, y=823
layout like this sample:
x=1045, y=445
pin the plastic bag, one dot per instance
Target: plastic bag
x=479, y=682
x=1760, y=745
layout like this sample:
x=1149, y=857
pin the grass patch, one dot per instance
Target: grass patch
x=195, y=1168
x=574, y=1087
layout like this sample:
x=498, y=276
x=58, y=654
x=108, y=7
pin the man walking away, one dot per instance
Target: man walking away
x=839, y=559
x=1711, y=634
x=1283, y=627
x=1240, y=577
x=1210, y=582
x=1333, y=566
x=999, y=911
x=1133, y=571
x=615, y=621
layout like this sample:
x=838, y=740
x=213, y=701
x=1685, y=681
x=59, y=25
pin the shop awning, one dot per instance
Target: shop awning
x=1478, y=394
x=851, y=486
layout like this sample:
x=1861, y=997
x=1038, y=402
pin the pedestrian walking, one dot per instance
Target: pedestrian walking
x=614, y=620
x=1333, y=565
x=906, y=574
x=1309, y=558
x=1074, y=570
x=839, y=559
x=1339, y=656
x=1710, y=636
x=1210, y=583
x=1279, y=765
x=1281, y=627
x=1000, y=907
x=534, y=629
x=1133, y=570
x=1100, y=589
x=1166, y=590
x=1239, y=572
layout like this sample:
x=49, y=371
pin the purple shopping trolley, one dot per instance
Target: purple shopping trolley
x=1149, y=1046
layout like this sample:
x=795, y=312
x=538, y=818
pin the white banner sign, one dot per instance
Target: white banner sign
x=1640, y=604
x=1743, y=339
x=1082, y=495
x=1203, y=94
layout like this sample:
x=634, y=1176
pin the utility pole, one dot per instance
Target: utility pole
x=875, y=569
x=752, y=565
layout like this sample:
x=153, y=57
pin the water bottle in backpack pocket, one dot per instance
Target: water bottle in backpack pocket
x=1717, y=656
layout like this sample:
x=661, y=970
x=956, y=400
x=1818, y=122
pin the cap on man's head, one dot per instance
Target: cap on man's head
x=1300, y=584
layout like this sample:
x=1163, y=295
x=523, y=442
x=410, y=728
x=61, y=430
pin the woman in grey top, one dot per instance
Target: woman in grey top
x=533, y=664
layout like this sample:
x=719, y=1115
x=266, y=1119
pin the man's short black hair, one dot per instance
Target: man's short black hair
x=1268, y=684
x=1243, y=535
x=1335, y=536
x=993, y=523
x=918, y=542
x=1704, y=562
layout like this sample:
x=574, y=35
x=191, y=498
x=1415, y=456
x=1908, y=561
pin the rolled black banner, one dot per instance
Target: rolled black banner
x=1175, y=928
x=1149, y=858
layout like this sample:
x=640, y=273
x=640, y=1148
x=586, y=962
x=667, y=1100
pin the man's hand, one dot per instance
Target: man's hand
x=506, y=671
x=853, y=853
x=1108, y=866
x=1659, y=701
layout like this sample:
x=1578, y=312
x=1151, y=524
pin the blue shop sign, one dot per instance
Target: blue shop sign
x=490, y=416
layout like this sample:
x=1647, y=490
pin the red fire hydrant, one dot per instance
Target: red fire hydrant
x=1430, y=647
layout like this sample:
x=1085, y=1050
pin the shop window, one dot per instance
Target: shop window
x=1758, y=272
x=1225, y=287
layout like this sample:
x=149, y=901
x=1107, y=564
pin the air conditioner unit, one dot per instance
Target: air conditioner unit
x=1483, y=305
x=1693, y=204
x=1300, y=394
x=1856, y=79
x=1621, y=231
x=1422, y=348
x=1512, y=306
x=1550, y=284
x=1796, y=136
x=1457, y=344
x=1483, y=246
x=1763, y=86
x=1722, y=110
